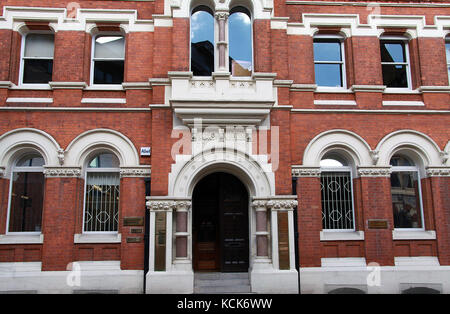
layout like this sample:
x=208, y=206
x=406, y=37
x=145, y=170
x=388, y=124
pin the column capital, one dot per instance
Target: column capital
x=222, y=15
x=165, y=203
x=305, y=171
x=436, y=171
x=372, y=171
x=135, y=172
x=64, y=172
x=275, y=203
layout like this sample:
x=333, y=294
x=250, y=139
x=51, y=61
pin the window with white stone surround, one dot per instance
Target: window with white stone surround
x=447, y=51
x=26, y=195
x=395, y=62
x=337, y=194
x=101, y=210
x=108, y=59
x=406, y=194
x=329, y=61
x=202, y=41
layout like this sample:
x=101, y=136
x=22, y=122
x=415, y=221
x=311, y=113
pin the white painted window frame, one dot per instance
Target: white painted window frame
x=346, y=169
x=93, y=59
x=96, y=170
x=342, y=63
x=419, y=187
x=22, y=63
x=405, y=42
x=14, y=170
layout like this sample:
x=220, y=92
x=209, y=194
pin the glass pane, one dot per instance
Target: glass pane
x=108, y=72
x=105, y=161
x=392, y=52
x=37, y=71
x=337, y=200
x=26, y=202
x=327, y=51
x=39, y=46
x=401, y=161
x=102, y=202
x=406, y=200
x=31, y=161
x=328, y=162
x=160, y=241
x=283, y=240
x=394, y=75
x=240, y=36
x=328, y=75
x=447, y=49
x=202, y=43
x=110, y=47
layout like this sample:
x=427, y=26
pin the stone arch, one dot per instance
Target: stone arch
x=348, y=144
x=17, y=142
x=91, y=142
x=446, y=154
x=416, y=145
x=258, y=178
x=258, y=9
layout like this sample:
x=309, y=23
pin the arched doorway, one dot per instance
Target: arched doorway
x=220, y=227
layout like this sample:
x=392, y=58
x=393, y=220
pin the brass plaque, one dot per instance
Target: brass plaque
x=136, y=230
x=133, y=221
x=377, y=224
x=134, y=239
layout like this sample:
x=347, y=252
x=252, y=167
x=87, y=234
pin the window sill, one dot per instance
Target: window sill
x=32, y=87
x=97, y=238
x=21, y=239
x=391, y=90
x=112, y=87
x=332, y=90
x=341, y=236
x=413, y=235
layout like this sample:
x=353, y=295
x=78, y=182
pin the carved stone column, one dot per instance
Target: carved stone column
x=222, y=43
x=262, y=233
x=182, y=229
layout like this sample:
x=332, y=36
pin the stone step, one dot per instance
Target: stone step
x=219, y=283
x=222, y=289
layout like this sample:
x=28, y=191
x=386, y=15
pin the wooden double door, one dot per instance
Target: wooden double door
x=220, y=224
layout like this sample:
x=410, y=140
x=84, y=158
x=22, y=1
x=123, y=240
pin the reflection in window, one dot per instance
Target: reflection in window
x=109, y=59
x=328, y=62
x=27, y=195
x=202, y=41
x=240, y=42
x=405, y=192
x=394, y=63
x=38, y=58
x=102, y=194
x=337, y=195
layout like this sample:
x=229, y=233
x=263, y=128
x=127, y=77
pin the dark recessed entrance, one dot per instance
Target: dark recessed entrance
x=220, y=224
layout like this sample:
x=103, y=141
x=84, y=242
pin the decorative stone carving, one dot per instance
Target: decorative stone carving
x=301, y=171
x=222, y=15
x=2, y=172
x=444, y=156
x=282, y=202
x=374, y=171
x=54, y=172
x=374, y=154
x=438, y=171
x=61, y=154
x=168, y=204
x=126, y=172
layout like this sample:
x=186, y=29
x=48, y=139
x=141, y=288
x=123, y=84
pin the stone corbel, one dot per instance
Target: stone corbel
x=282, y=203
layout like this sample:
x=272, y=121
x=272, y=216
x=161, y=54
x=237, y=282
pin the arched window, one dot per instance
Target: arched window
x=37, y=58
x=337, y=194
x=108, y=59
x=26, y=194
x=406, y=193
x=240, y=42
x=101, y=210
x=202, y=41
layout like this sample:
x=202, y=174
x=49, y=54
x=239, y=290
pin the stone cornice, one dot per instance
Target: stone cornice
x=142, y=171
x=438, y=171
x=64, y=172
x=305, y=171
x=374, y=171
